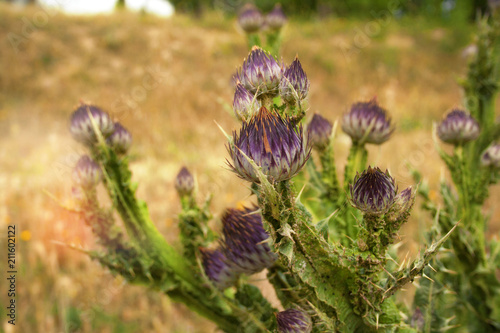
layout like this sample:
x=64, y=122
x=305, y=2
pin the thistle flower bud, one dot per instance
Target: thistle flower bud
x=216, y=268
x=81, y=124
x=245, y=241
x=458, y=127
x=319, y=130
x=293, y=321
x=276, y=19
x=87, y=173
x=294, y=85
x=273, y=143
x=403, y=202
x=120, y=140
x=250, y=19
x=491, y=156
x=260, y=73
x=184, y=182
x=373, y=191
x=367, y=122
x=245, y=105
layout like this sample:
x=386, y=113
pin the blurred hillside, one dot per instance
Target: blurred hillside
x=167, y=81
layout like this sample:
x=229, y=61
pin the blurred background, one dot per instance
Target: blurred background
x=163, y=69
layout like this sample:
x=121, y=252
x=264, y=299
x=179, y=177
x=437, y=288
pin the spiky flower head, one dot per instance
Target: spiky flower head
x=86, y=172
x=184, y=182
x=403, y=202
x=245, y=105
x=274, y=143
x=367, y=122
x=320, y=130
x=373, y=191
x=260, y=73
x=120, y=140
x=491, y=157
x=276, y=18
x=81, y=124
x=250, y=19
x=217, y=269
x=245, y=239
x=458, y=127
x=294, y=85
x=293, y=321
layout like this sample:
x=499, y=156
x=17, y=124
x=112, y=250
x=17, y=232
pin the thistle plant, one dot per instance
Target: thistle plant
x=325, y=247
x=466, y=276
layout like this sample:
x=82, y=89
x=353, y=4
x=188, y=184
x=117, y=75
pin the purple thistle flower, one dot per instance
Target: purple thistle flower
x=373, y=191
x=320, y=130
x=86, y=172
x=491, y=156
x=260, y=73
x=273, y=143
x=367, y=122
x=81, y=125
x=245, y=105
x=120, y=140
x=294, y=85
x=293, y=321
x=245, y=243
x=276, y=19
x=250, y=19
x=458, y=127
x=216, y=268
x=184, y=182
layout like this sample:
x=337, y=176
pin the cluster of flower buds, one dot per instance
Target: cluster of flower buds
x=87, y=173
x=89, y=120
x=217, y=269
x=245, y=239
x=367, y=122
x=491, y=157
x=294, y=85
x=274, y=143
x=120, y=140
x=374, y=192
x=458, y=128
x=83, y=120
x=251, y=19
x=184, y=182
x=319, y=130
x=261, y=76
x=293, y=321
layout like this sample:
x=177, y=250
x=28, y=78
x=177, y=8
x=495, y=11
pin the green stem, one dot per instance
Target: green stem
x=329, y=174
x=356, y=162
x=253, y=40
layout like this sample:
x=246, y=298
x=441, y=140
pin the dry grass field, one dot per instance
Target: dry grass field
x=168, y=81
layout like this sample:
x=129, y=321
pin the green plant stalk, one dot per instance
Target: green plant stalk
x=136, y=218
x=329, y=174
x=253, y=40
x=194, y=232
x=329, y=272
x=190, y=290
x=356, y=162
x=273, y=42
